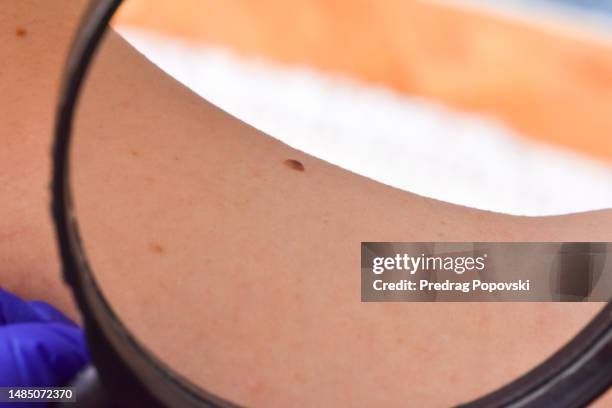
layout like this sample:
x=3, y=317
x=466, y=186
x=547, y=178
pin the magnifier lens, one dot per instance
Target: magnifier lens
x=199, y=245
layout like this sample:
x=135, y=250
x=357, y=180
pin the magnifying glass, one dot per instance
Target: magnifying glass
x=134, y=211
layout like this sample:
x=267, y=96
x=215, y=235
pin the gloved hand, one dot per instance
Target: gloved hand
x=39, y=346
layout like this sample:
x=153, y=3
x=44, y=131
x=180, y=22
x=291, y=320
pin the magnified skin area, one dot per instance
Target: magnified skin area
x=238, y=269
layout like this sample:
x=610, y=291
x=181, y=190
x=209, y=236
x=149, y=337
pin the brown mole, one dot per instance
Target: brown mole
x=21, y=32
x=294, y=164
x=156, y=247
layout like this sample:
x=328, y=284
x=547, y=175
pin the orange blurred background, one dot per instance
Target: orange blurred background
x=549, y=84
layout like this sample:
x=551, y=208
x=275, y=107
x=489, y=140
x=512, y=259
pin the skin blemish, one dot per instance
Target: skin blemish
x=21, y=32
x=294, y=164
x=10, y=235
x=156, y=248
x=134, y=153
x=299, y=377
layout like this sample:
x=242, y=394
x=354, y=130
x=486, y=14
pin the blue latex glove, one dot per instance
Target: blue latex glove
x=39, y=346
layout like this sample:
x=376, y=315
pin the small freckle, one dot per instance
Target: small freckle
x=134, y=153
x=21, y=32
x=294, y=164
x=155, y=247
x=299, y=377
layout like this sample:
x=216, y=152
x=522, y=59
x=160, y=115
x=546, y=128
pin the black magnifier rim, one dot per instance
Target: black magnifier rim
x=573, y=377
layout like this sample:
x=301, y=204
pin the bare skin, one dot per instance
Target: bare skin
x=274, y=325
